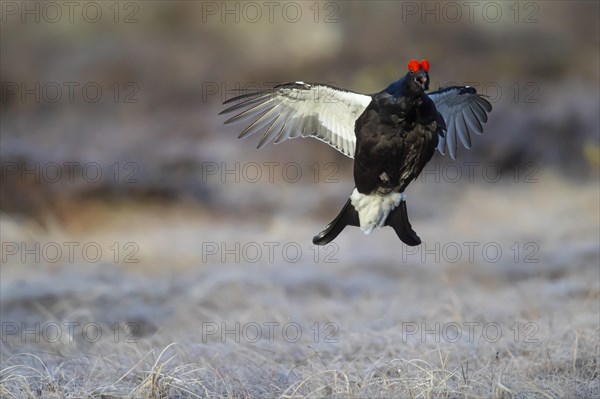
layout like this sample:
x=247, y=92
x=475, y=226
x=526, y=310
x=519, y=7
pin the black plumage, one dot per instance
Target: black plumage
x=391, y=135
x=396, y=136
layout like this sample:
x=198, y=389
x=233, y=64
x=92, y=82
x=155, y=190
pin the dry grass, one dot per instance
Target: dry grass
x=242, y=371
x=370, y=295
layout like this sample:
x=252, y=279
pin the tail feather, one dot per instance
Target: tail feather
x=347, y=217
x=398, y=220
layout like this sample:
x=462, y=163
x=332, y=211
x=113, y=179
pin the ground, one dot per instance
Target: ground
x=220, y=305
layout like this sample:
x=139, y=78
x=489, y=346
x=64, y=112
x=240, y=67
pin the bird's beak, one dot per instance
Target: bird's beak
x=422, y=80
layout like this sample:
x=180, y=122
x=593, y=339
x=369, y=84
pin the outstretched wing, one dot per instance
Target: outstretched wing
x=300, y=110
x=464, y=111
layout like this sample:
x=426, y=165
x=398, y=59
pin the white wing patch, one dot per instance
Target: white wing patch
x=464, y=111
x=301, y=109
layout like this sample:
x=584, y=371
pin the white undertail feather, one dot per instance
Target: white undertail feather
x=374, y=209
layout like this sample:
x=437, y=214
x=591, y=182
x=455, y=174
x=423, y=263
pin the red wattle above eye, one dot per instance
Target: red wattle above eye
x=425, y=65
x=413, y=65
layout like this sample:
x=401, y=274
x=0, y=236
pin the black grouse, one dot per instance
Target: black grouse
x=391, y=135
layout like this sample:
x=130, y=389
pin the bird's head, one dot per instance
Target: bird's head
x=418, y=75
x=414, y=83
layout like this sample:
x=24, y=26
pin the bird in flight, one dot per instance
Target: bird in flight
x=391, y=135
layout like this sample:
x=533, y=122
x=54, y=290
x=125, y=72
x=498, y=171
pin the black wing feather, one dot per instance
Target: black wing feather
x=464, y=111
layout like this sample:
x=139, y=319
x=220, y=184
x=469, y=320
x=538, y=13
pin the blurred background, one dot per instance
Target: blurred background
x=128, y=206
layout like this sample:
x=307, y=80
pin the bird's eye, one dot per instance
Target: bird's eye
x=413, y=65
x=425, y=65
